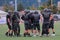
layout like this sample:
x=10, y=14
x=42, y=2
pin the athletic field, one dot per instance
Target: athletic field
x=3, y=29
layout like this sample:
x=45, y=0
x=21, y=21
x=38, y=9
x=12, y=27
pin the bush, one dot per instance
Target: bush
x=8, y=7
x=41, y=8
x=5, y=8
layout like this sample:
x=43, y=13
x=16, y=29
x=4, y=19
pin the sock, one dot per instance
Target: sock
x=53, y=32
x=11, y=34
x=6, y=33
x=25, y=34
x=28, y=34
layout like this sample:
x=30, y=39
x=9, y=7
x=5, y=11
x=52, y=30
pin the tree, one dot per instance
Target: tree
x=55, y=9
x=48, y=2
x=5, y=8
x=41, y=8
x=8, y=7
x=59, y=11
x=33, y=7
x=20, y=7
x=28, y=8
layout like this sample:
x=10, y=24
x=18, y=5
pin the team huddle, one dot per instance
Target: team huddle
x=31, y=22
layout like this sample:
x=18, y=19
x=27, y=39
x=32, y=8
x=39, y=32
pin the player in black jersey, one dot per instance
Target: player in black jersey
x=8, y=20
x=15, y=23
x=26, y=19
x=51, y=26
x=36, y=23
x=47, y=16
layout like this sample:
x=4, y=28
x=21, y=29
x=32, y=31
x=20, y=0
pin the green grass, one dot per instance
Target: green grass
x=3, y=29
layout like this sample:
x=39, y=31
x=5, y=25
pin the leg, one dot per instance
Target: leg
x=43, y=29
x=47, y=28
x=18, y=29
x=9, y=29
x=38, y=28
x=34, y=29
x=26, y=30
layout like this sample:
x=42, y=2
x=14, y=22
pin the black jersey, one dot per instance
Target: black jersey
x=31, y=17
x=16, y=17
x=25, y=17
x=52, y=21
x=36, y=17
x=8, y=17
x=46, y=17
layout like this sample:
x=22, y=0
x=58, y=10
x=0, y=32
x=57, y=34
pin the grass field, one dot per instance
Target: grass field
x=3, y=29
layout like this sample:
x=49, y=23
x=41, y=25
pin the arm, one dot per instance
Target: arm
x=22, y=17
x=18, y=15
x=51, y=17
x=41, y=18
x=8, y=19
